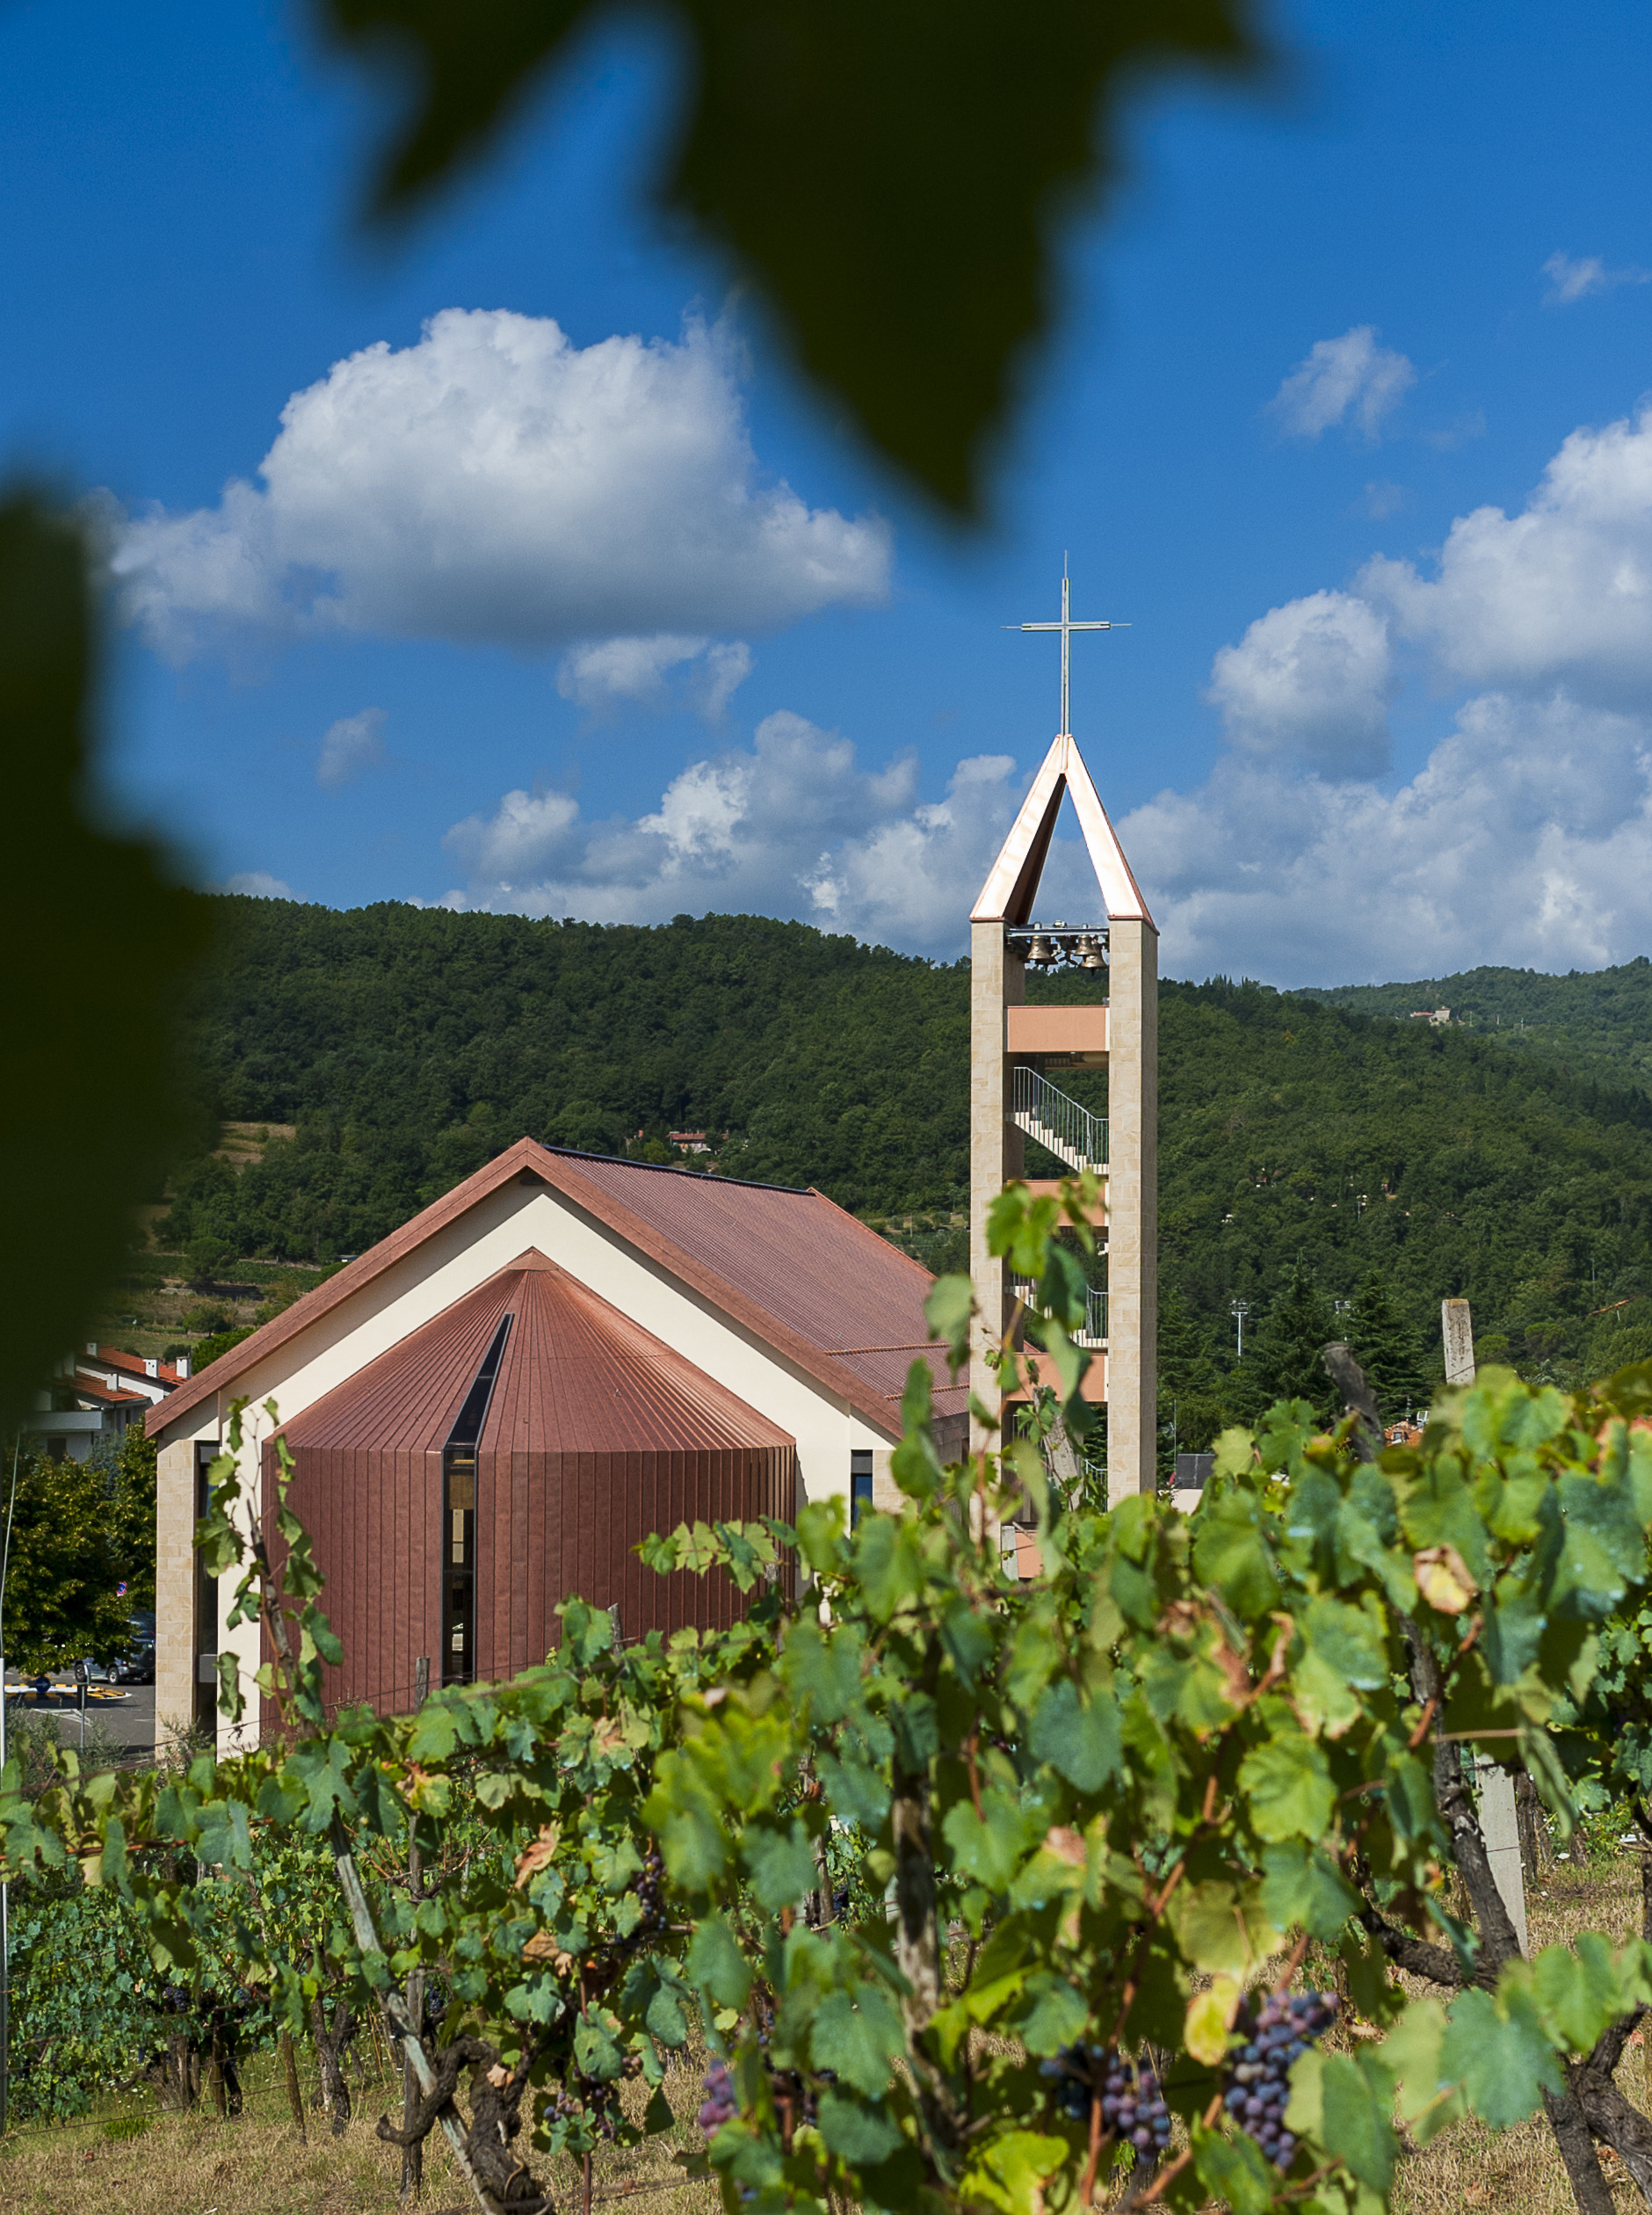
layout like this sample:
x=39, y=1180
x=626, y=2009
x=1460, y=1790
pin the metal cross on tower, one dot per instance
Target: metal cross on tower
x=1065, y=627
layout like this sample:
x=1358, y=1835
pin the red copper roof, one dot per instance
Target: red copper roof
x=802, y=1275
x=575, y=1377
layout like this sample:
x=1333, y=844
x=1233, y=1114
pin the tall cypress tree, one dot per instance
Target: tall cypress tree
x=1385, y=1343
x=1288, y=1365
x=1193, y=1406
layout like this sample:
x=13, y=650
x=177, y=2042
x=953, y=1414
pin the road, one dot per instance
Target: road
x=129, y=1722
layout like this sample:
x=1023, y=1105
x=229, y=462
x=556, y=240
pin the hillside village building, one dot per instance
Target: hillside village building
x=98, y=1394
x=492, y=1406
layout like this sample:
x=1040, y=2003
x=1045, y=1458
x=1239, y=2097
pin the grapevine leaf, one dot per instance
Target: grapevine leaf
x=1354, y=2123
x=1053, y=2012
x=1008, y=2171
x=596, y=2047
x=716, y=1965
x=1579, y=1991
x=948, y=1310
x=1290, y=1788
x=1082, y=1739
x=988, y=1847
x=1234, y=2171
x=860, y=2134
x=1499, y=2055
x=435, y=1733
x=781, y=1865
x=1303, y=1889
x=858, y=2036
x=666, y=2021
x=1231, y=1554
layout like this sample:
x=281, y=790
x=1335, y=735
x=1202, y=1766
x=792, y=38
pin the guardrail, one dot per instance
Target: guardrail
x=1070, y=1132
x=1091, y=1332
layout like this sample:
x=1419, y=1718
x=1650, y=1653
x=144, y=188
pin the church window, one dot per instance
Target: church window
x=458, y=1520
x=859, y=1485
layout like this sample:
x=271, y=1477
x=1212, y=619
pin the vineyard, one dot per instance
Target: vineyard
x=1155, y=1879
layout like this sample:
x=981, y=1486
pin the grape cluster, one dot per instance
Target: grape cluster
x=1277, y=2031
x=1131, y=2104
x=720, y=2103
x=598, y=2106
x=650, y=1889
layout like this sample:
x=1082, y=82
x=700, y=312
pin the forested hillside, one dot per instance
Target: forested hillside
x=1595, y=1022
x=1310, y=1152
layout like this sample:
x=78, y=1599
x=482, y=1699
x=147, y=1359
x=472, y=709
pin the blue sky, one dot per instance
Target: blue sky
x=1344, y=419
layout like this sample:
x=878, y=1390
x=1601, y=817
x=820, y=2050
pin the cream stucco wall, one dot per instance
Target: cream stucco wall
x=457, y=1258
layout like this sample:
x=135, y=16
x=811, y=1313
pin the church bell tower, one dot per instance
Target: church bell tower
x=1018, y=1055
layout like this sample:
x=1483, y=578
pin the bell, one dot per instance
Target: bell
x=1041, y=953
x=1089, y=952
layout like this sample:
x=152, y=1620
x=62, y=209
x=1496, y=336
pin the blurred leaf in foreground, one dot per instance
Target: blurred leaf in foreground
x=97, y=945
x=890, y=172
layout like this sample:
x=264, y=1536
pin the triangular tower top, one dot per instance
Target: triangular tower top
x=1013, y=881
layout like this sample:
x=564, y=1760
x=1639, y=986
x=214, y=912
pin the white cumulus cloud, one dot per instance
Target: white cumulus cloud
x=1312, y=679
x=1560, y=593
x=1348, y=380
x=495, y=483
x=1573, y=277
x=612, y=672
x=1526, y=841
x=1526, y=837
x=351, y=746
x=793, y=826
x=258, y=884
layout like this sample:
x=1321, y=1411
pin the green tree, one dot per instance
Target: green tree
x=63, y=1601
x=1384, y=1338
x=132, y=1513
x=1287, y=1364
x=1194, y=1397
x=204, y=1257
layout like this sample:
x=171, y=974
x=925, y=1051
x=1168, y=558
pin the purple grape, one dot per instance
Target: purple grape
x=720, y=2104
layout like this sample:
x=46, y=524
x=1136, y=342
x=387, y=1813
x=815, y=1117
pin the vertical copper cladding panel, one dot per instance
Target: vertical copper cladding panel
x=597, y=1434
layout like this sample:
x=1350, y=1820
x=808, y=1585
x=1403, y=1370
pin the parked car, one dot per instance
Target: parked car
x=137, y=1665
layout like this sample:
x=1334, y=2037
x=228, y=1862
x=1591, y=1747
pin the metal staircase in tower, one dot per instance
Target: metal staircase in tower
x=1070, y=1132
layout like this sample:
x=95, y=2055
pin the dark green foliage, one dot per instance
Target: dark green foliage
x=1286, y=1363
x=409, y=1046
x=81, y=2014
x=1596, y=1024
x=1294, y=1134
x=1383, y=1337
x=68, y=1561
x=132, y=1514
x=78, y=908
x=205, y=1259
x=207, y=1349
x=1195, y=1392
x=907, y=254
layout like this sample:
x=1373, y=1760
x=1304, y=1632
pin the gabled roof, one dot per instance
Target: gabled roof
x=791, y=1267
x=575, y=1376
x=111, y=1395
x=1008, y=894
x=132, y=1365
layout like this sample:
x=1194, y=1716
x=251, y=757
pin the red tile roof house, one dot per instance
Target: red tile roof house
x=95, y=1394
x=489, y=1408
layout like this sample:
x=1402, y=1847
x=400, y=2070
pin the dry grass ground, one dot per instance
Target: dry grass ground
x=255, y=2165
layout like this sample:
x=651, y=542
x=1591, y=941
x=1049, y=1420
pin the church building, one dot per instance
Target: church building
x=489, y=1409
